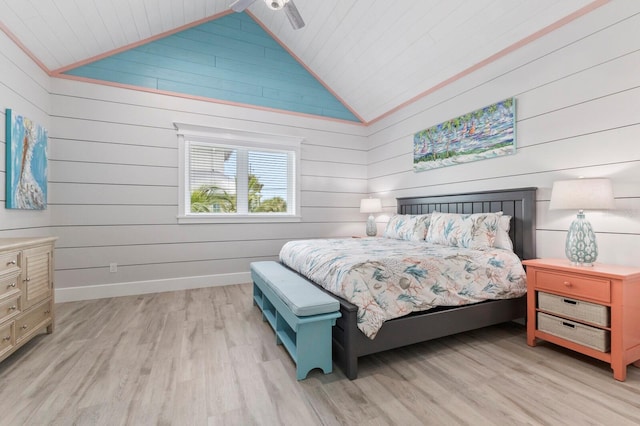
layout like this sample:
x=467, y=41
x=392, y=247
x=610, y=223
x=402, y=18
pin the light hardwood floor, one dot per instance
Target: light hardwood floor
x=204, y=356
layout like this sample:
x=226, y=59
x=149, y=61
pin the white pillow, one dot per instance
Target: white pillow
x=503, y=240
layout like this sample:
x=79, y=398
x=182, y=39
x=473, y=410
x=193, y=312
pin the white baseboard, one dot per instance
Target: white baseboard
x=101, y=291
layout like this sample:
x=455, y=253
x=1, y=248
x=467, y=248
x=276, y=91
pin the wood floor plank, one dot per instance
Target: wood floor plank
x=286, y=394
x=206, y=357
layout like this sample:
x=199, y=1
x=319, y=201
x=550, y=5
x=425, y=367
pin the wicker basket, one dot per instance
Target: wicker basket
x=585, y=335
x=575, y=309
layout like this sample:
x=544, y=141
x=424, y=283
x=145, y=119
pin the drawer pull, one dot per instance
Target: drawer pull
x=6, y=339
x=566, y=324
x=567, y=283
x=13, y=308
x=27, y=279
x=47, y=312
x=12, y=285
x=570, y=302
x=24, y=327
x=13, y=262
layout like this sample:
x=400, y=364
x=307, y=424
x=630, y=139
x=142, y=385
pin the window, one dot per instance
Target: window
x=237, y=176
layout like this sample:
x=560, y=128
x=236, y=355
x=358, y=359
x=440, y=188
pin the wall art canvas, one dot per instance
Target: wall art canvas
x=26, y=152
x=485, y=133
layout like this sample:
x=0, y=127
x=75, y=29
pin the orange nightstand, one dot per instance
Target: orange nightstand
x=592, y=310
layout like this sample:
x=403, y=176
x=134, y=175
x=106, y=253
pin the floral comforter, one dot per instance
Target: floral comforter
x=388, y=278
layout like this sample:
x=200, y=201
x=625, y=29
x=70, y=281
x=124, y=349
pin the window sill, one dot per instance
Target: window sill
x=236, y=218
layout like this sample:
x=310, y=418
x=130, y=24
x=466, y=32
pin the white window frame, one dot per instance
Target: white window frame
x=240, y=139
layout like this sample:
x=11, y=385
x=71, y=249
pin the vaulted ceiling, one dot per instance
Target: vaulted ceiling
x=374, y=55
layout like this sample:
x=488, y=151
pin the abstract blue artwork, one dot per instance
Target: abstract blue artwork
x=26, y=177
x=485, y=133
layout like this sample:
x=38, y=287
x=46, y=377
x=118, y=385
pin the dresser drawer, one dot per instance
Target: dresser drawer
x=7, y=339
x=574, y=285
x=35, y=319
x=9, y=308
x=9, y=285
x=574, y=309
x=10, y=262
x=585, y=335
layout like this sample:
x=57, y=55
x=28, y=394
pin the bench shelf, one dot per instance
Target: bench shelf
x=307, y=338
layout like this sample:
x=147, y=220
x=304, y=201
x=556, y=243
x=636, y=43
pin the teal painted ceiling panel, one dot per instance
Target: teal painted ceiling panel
x=231, y=58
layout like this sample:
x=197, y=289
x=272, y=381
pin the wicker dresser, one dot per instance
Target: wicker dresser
x=592, y=310
x=26, y=290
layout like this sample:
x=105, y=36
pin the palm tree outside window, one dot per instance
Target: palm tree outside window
x=227, y=180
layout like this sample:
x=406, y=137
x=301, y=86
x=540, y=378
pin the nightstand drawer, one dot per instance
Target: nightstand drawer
x=9, y=308
x=10, y=263
x=574, y=309
x=9, y=286
x=34, y=320
x=575, y=285
x=585, y=335
x=6, y=337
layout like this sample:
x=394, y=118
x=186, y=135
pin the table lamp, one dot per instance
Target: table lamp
x=581, y=194
x=371, y=205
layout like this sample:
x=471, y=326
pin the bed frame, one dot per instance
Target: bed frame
x=349, y=343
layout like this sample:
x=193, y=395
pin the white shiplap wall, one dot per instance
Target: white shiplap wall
x=114, y=191
x=24, y=88
x=113, y=160
x=578, y=96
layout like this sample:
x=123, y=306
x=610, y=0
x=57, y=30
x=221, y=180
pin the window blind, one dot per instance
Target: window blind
x=240, y=179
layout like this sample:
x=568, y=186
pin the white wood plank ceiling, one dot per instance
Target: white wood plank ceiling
x=374, y=54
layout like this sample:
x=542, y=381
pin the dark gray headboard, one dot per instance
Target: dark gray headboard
x=519, y=203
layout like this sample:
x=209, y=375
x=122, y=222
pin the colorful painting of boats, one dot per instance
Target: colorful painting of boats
x=485, y=133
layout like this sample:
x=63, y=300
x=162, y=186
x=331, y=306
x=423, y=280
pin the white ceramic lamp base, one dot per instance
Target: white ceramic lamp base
x=372, y=228
x=581, y=248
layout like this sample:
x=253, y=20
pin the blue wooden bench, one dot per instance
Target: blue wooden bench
x=299, y=312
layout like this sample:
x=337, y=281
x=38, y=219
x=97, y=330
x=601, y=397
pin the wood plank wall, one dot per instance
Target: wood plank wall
x=577, y=98
x=230, y=58
x=113, y=183
x=24, y=88
x=113, y=158
x=114, y=186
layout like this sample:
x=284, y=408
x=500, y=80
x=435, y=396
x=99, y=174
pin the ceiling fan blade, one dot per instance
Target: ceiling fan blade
x=292, y=13
x=241, y=5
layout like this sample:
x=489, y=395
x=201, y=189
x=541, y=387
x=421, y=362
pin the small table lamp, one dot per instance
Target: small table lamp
x=371, y=205
x=581, y=194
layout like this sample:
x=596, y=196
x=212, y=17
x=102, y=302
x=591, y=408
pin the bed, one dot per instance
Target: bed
x=351, y=340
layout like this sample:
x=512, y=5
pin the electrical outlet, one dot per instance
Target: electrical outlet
x=113, y=267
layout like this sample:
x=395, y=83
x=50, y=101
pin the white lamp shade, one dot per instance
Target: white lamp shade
x=370, y=205
x=582, y=194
